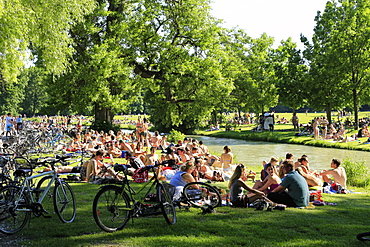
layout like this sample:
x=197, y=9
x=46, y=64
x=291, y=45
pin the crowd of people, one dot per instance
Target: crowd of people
x=284, y=183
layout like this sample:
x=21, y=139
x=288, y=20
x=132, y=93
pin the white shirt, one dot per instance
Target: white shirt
x=8, y=121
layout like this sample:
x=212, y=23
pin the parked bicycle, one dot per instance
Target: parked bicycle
x=200, y=195
x=115, y=204
x=18, y=202
x=9, y=164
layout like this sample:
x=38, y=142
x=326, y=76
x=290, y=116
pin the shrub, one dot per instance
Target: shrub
x=357, y=173
x=175, y=135
x=105, y=126
x=131, y=127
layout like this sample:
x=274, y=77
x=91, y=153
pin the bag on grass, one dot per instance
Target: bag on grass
x=140, y=176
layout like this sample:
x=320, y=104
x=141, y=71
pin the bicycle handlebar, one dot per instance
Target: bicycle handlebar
x=51, y=161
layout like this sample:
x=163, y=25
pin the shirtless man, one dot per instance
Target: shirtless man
x=203, y=147
x=182, y=155
x=151, y=158
x=295, y=121
x=338, y=173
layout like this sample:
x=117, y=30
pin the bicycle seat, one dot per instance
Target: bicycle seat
x=22, y=172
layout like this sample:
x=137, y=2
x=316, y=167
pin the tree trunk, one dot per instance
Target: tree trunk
x=328, y=112
x=355, y=107
x=103, y=114
x=214, y=117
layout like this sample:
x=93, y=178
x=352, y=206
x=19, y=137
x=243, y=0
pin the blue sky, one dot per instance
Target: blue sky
x=277, y=18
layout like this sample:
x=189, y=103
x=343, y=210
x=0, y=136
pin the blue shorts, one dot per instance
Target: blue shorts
x=9, y=127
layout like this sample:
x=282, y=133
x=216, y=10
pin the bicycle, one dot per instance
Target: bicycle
x=21, y=166
x=200, y=195
x=18, y=202
x=114, y=205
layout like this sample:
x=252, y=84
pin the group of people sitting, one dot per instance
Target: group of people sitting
x=284, y=184
x=287, y=183
x=123, y=145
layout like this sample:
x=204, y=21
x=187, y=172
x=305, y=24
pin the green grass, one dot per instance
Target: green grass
x=326, y=225
x=322, y=226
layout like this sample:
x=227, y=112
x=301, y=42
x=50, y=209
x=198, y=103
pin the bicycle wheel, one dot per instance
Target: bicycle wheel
x=48, y=201
x=363, y=236
x=202, y=195
x=111, y=208
x=168, y=209
x=13, y=213
x=64, y=202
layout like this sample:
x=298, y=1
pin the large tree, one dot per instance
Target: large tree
x=260, y=79
x=290, y=71
x=182, y=56
x=169, y=49
x=37, y=24
x=340, y=55
x=100, y=80
x=32, y=80
x=352, y=38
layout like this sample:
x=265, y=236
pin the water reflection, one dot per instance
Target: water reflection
x=253, y=153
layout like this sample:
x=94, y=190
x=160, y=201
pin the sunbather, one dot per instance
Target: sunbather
x=271, y=181
x=337, y=173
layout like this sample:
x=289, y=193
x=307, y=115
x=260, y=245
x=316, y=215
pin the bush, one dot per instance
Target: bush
x=357, y=173
x=175, y=135
x=131, y=127
x=104, y=126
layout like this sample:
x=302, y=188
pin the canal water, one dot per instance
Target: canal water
x=252, y=153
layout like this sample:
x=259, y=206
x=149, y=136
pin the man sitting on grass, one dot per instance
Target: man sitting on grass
x=297, y=195
x=338, y=173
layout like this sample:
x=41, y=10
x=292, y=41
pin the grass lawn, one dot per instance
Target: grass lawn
x=322, y=226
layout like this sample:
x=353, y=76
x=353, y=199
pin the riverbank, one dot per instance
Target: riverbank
x=284, y=134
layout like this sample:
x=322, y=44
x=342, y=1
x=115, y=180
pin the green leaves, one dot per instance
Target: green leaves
x=339, y=59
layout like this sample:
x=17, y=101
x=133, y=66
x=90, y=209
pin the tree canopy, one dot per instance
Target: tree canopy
x=102, y=57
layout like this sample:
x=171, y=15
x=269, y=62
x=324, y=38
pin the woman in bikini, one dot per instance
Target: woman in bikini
x=271, y=181
x=226, y=159
x=139, y=129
